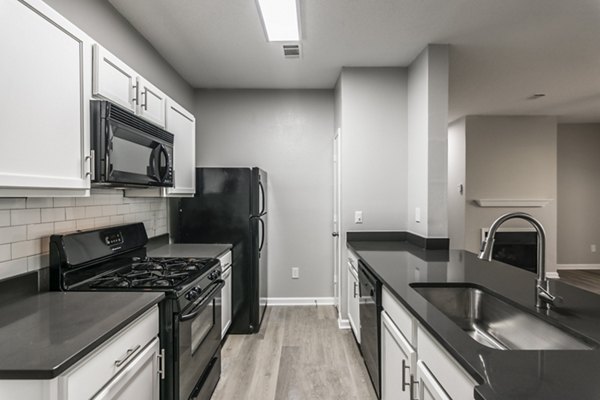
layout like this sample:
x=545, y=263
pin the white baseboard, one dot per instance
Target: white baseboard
x=300, y=301
x=552, y=275
x=343, y=324
x=578, y=266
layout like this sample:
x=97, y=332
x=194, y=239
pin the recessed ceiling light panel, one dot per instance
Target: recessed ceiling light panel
x=280, y=20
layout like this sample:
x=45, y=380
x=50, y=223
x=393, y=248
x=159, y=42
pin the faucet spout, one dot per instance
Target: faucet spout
x=543, y=296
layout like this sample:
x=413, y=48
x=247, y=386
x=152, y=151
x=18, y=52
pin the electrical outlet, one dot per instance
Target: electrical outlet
x=295, y=273
x=593, y=248
x=358, y=218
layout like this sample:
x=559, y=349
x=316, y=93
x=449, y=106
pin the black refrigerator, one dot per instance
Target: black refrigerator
x=230, y=206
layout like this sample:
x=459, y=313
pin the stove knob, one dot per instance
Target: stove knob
x=211, y=276
x=192, y=294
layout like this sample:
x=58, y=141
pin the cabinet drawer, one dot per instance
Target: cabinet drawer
x=451, y=376
x=225, y=260
x=399, y=315
x=94, y=371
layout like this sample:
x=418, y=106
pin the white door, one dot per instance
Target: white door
x=429, y=388
x=45, y=84
x=398, y=362
x=335, y=228
x=182, y=124
x=114, y=80
x=152, y=103
x=137, y=380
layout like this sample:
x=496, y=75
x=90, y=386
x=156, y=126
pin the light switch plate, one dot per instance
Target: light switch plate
x=418, y=214
x=295, y=273
x=358, y=218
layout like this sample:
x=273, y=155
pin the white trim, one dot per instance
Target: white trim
x=300, y=301
x=552, y=275
x=512, y=202
x=578, y=266
x=343, y=324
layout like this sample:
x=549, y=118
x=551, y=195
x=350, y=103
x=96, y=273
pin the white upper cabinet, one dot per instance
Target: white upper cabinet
x=182, y=124
x=117, y=82
x=151, y=102
x=114, y=80
x=45, y=84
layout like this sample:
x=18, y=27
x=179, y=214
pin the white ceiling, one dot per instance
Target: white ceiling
x=502, y=51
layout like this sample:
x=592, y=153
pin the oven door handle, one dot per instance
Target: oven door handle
x=199, y=305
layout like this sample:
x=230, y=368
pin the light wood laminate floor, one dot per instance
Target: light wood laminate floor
x=299, y=354
x=584, y=279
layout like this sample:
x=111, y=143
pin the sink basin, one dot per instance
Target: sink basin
x=495, y=323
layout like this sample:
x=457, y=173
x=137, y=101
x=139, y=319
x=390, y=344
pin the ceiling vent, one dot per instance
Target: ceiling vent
x=291, y=50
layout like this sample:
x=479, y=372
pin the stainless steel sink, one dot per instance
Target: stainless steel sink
x=495, y=323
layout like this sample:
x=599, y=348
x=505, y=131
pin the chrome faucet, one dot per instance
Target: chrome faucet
x=543, y=297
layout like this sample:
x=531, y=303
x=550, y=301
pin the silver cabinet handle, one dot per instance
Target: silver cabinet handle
x=129, y=353
x=413, y=383
x=145, y=103
x=355, y=285
x=404, y=384
x=91, y=172
x=161, y=369
x=135, y=94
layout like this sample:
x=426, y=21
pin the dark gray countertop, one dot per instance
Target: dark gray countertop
x=190, y=250
x=522, y=374
x=43, y=335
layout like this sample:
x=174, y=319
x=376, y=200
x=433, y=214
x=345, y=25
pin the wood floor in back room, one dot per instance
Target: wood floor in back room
x=299, y=354
x=586, y=279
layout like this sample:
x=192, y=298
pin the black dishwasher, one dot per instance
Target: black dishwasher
x=370, y=314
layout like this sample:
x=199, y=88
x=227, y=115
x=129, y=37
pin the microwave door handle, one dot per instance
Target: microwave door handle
x=164, y=151
x=154, y=160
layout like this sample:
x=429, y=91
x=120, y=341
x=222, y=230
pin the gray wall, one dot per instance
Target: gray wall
x=510, y=158
x=104, y=24
x=289, y=134
x=578, y=194
x=427, y=142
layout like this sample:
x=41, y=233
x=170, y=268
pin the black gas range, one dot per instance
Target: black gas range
x=114, y=259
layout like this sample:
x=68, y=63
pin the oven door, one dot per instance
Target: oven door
x=199, y=340
x=135, y=157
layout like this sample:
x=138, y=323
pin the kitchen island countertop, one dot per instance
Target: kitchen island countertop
x=501, y=374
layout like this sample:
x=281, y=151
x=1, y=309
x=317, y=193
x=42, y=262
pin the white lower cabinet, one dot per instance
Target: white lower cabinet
x=353, y=302
x=429, y=388
x=413, y=364
x=126, y=366
x=398, y=362
x=226, y=299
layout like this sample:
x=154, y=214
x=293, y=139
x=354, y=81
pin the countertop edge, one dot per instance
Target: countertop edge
x=69, y=362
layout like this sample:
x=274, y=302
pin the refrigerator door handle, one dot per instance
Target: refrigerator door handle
x=264, y=200
x=262, y=239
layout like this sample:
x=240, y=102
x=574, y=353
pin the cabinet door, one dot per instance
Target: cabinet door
x=226, y=303
x=182, y=124
x=137, y=380
x=353, y=302
x=152, y=103
x=114, y=80
x=429, y=388
x=398, y=362
x=45, y=83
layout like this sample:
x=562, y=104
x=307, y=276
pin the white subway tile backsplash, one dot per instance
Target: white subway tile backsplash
x=74, y=213
x=39, y=202
x=101, y=222
x=13, y=234
x=64, y=202
x=7, y=204
x=13, y=267
x=38, y=261
x=83, y=224
x=109, y=210
x=5, y=252
x=53, y=214
x=4, y=218
x=26, y=248
x=37, y=231
x=24, y=217
x=65, y=227
x=26, y=224
x=93, y=211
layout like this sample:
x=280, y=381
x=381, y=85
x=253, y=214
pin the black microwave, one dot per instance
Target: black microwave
x=127, y=150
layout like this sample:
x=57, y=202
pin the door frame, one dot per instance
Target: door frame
x=337, y=222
